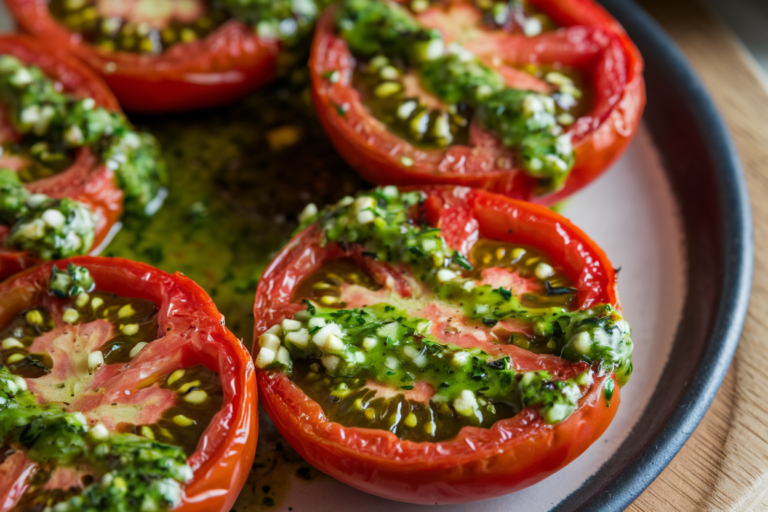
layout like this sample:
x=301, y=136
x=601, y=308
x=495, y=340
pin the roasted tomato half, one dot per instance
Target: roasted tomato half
x=529, y=99
x=70, y=160
x=168, y=55
x=440, y=345
x=120, y=389
x=77, y=174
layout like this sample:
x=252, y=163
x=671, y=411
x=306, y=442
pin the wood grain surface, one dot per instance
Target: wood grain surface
x=724, y=465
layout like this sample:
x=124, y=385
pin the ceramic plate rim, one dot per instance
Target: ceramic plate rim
x=619, y=483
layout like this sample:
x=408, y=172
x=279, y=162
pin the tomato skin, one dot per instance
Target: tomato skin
x=478, y=463
x=227, y=447
x=229, y=63
x=599, y=138
x=86, y=180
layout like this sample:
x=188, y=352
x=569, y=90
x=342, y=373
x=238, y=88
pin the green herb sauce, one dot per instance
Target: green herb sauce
x=384, y=344
x=49, y=228
x=70, y=282
x=40, y=112
x=136, y=467
x=525, y=121
x=53, y=123
x=380, y=221
x=133, y=472
x=288, y=20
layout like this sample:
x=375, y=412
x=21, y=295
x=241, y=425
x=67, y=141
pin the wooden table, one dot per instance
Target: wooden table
x=724, y=465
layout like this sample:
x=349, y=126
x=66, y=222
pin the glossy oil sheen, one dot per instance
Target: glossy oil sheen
x=232, y=207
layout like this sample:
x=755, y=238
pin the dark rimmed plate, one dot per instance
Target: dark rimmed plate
x=704, y=170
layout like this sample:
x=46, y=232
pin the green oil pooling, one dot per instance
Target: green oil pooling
x=230, y=209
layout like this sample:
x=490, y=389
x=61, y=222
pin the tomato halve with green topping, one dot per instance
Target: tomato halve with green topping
x=120, y=390
x=70, y=162
x=530, y=99
x=173, y=55
x=440, y=345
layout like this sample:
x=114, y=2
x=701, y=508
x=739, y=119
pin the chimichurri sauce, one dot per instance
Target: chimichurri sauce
x=238, y=178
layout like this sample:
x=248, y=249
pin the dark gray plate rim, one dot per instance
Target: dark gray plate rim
x=703, y=167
